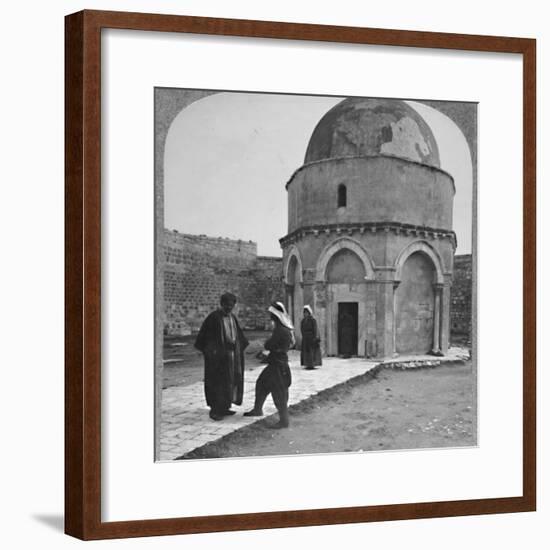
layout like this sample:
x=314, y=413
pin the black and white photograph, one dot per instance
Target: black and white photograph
x=274, y=275
x=315, y=274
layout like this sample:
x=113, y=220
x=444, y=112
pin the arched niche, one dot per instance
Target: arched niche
x=335, y=247
x=415, y=305
x=293, y=266
x=424, y=248
x=345, y=266
x=293, y=286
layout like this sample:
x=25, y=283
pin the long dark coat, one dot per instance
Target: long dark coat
x=311, y=348
x=223, y=367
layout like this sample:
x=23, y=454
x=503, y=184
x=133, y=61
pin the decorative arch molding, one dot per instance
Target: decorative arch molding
x=425, y=248
x=340, y=244
x=293, y=253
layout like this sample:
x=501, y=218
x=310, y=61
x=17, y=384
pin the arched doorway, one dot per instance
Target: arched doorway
x=415, y=305
x=345, y=276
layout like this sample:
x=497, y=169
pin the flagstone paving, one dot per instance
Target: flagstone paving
x=187, y=426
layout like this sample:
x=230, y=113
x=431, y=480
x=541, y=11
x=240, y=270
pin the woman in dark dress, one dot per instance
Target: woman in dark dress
x=275, y=379
x=311, y=348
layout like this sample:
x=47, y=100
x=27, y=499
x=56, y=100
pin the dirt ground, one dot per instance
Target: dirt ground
x=395, y=409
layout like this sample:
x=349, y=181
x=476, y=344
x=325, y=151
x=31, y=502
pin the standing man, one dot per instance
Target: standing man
x=222, y=342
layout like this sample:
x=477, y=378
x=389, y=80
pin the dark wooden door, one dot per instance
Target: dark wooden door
x=347, y=328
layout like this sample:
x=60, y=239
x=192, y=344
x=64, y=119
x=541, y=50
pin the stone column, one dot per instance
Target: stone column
x=394, y=323
x=436, y=349
x=322, y=314
x=308, y=286
x=289, y=299
x=445, y=330
x=385, y=316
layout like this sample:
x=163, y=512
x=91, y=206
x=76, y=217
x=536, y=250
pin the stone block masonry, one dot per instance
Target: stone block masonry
x=198, y=269
x=461, y=299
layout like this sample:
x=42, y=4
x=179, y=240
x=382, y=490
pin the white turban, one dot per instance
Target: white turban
x=281, y=315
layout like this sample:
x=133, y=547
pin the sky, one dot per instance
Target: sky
x=228, y=157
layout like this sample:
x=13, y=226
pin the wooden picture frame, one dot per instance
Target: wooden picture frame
x=83, y=274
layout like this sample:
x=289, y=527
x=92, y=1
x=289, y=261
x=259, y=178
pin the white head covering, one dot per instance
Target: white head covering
x=280, y=312
x=309, y=309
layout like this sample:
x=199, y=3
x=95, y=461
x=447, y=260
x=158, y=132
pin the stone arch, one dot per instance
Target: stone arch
x=415, y=330
x=293, y=253
x=336, y=246
x=425, y=248
x=294, y=293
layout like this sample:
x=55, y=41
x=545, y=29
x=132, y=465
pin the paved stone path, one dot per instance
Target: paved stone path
x=186, y=424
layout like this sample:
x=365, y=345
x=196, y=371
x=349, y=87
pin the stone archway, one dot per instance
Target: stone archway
x=418, y=307
x=337, y=245
x=343, y=273
x=293, y=287
x=415, y=306
x=169, y=102
x=425, y=248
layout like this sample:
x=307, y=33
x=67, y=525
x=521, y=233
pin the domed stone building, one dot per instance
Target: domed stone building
x=370, y=243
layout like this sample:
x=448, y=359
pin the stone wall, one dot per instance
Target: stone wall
x=461, y=299
x=199, y=269
x=378, y=189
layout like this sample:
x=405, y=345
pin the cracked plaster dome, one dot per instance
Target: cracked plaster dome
x=367, y=127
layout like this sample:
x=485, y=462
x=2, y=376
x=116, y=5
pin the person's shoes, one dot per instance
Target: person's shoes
x=228, y=412
x=278, y=426
x=215, y=416
x=254, y=412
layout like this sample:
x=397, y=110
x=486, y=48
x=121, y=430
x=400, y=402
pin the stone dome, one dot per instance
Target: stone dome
x=365, y=127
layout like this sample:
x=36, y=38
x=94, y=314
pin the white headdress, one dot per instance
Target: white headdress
x=309, y=309
x=278, y=309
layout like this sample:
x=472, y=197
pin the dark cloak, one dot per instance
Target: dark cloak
x=223, y=364
x=311, y=343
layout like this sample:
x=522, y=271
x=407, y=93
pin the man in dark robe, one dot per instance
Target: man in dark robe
x=276, y=378
x=222, y=342
x=310, y=356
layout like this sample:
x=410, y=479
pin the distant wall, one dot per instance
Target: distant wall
x=199, y=269
x=461, y=299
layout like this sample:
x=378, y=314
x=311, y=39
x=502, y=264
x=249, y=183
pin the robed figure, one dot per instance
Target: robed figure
x=276, y=378
x=222, y=342
x=310, y=356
